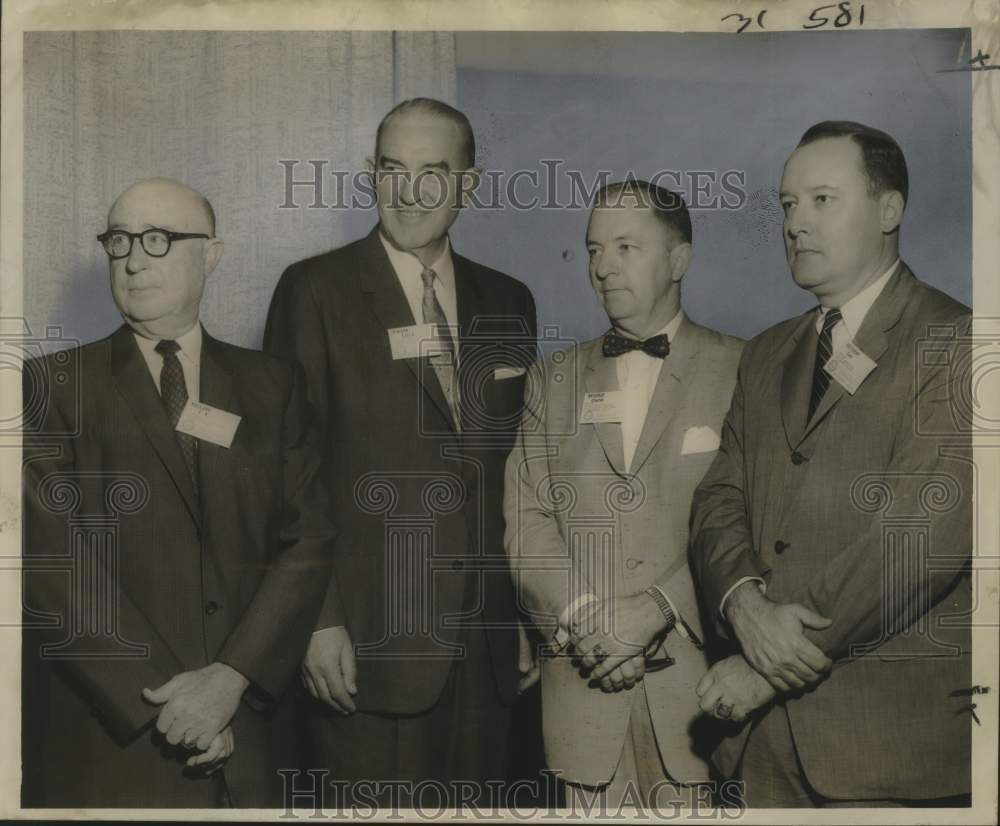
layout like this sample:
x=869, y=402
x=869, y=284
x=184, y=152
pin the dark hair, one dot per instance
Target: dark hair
x=668, y=206
x=430, y=106
x=884, y=164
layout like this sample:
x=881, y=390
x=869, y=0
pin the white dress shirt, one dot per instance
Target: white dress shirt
x=408, y=269
x=855, y=310
x=638, y=373
x=853, y=315
x=189, y=356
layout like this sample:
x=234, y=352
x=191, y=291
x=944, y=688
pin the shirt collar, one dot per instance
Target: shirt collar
x=190, y=344
x=855, y=310
x=671, y=327
x=407, y=265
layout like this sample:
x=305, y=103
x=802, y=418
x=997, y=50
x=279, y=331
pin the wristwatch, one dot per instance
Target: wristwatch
x=664, y=605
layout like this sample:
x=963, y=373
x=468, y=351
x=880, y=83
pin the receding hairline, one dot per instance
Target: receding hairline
x=179, y=187
x=435, y=109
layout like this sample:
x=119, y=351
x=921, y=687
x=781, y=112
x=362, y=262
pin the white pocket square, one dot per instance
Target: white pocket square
x=699, y=440
x=507, y=373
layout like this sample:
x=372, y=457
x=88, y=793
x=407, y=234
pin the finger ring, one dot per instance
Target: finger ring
x=723, y=710
x=599, y=653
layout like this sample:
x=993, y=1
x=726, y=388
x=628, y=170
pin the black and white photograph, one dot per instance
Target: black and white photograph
x=575, y=411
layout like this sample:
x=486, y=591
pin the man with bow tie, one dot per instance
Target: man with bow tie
x=617, y=433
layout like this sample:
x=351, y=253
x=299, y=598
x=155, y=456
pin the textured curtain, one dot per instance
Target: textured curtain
x=219, y=111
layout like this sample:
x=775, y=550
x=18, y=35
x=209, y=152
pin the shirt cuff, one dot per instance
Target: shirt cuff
x=680, y=626
x=760, y=584
x=561, y=637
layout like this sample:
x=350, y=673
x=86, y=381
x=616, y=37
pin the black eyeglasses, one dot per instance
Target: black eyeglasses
x=156, y=242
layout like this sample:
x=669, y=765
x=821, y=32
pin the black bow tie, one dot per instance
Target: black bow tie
x=616, y=345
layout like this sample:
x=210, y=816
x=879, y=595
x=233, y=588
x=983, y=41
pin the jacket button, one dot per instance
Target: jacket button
x=780, y=547
x=211, y=607
x=798, y=458
x=457, y=565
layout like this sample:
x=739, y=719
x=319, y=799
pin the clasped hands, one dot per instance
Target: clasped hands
x=609, y=639
x=196, y=709
x=776, y=655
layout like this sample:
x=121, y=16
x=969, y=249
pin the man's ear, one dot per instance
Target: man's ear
x=680, y=259
x=891, y=206
x=468, y=180
x=213, y=254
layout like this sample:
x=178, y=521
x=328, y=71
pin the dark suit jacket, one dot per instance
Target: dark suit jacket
x=417, y=504
x=865, y=516
x=237, y=578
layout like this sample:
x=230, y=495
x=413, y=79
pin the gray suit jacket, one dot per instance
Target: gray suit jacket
x=578, y=520
x=863, y=514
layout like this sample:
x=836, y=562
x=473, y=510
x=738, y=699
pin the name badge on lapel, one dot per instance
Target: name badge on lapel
x=608, y=406
x=849, y=366
x=415, y=341
x=208, y=423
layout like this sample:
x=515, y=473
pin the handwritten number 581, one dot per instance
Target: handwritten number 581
x=843, y=18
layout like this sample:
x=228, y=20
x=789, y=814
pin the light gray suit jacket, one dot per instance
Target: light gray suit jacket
x=578, y=521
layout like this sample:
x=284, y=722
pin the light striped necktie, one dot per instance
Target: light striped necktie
x=821, y=379
x=443, y=364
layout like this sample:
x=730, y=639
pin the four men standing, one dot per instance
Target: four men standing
x=400, y=374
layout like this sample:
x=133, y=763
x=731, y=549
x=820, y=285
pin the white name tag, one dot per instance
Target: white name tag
x=415, y=341
x=208, y=423
x=849, y=366
x=608, y=406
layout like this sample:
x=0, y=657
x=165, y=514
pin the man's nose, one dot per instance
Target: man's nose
x=605, y=266
x=407, y=189
x=796, y=222
x=137, y=259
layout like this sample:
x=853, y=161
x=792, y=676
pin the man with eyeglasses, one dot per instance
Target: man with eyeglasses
x=415, y=358
x=598, y=493
x=221, y=561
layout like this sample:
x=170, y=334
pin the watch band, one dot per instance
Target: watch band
x=663, y=605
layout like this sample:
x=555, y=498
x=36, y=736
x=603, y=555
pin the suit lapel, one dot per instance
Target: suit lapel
x=601, y=375
x=796, y=379
x=471, y=305
x=216, y=389
x=667, y=394
x=388, y=301
x=131, y=376
x=871, y=339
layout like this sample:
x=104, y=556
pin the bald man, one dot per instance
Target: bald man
x=192, y=477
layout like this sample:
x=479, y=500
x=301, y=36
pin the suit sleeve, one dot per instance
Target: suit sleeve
x=869, y=593
x=112, y=684
x=297, y=331
x=545, y=576
x=721, y=549
x=271, y=638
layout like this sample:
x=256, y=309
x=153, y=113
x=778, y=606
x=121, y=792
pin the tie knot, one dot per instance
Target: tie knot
x=428, y=275
x=167, y=347
x=831, y=320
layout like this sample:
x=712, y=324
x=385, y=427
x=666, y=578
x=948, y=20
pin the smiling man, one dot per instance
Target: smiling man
x=621, y=430
x=173, y=649
x=415, y=358
x=845, y=436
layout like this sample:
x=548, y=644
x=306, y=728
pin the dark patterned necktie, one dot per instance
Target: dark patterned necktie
x=615, y=345
x=444, y=364
x=173, y=392
x=821, y=379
